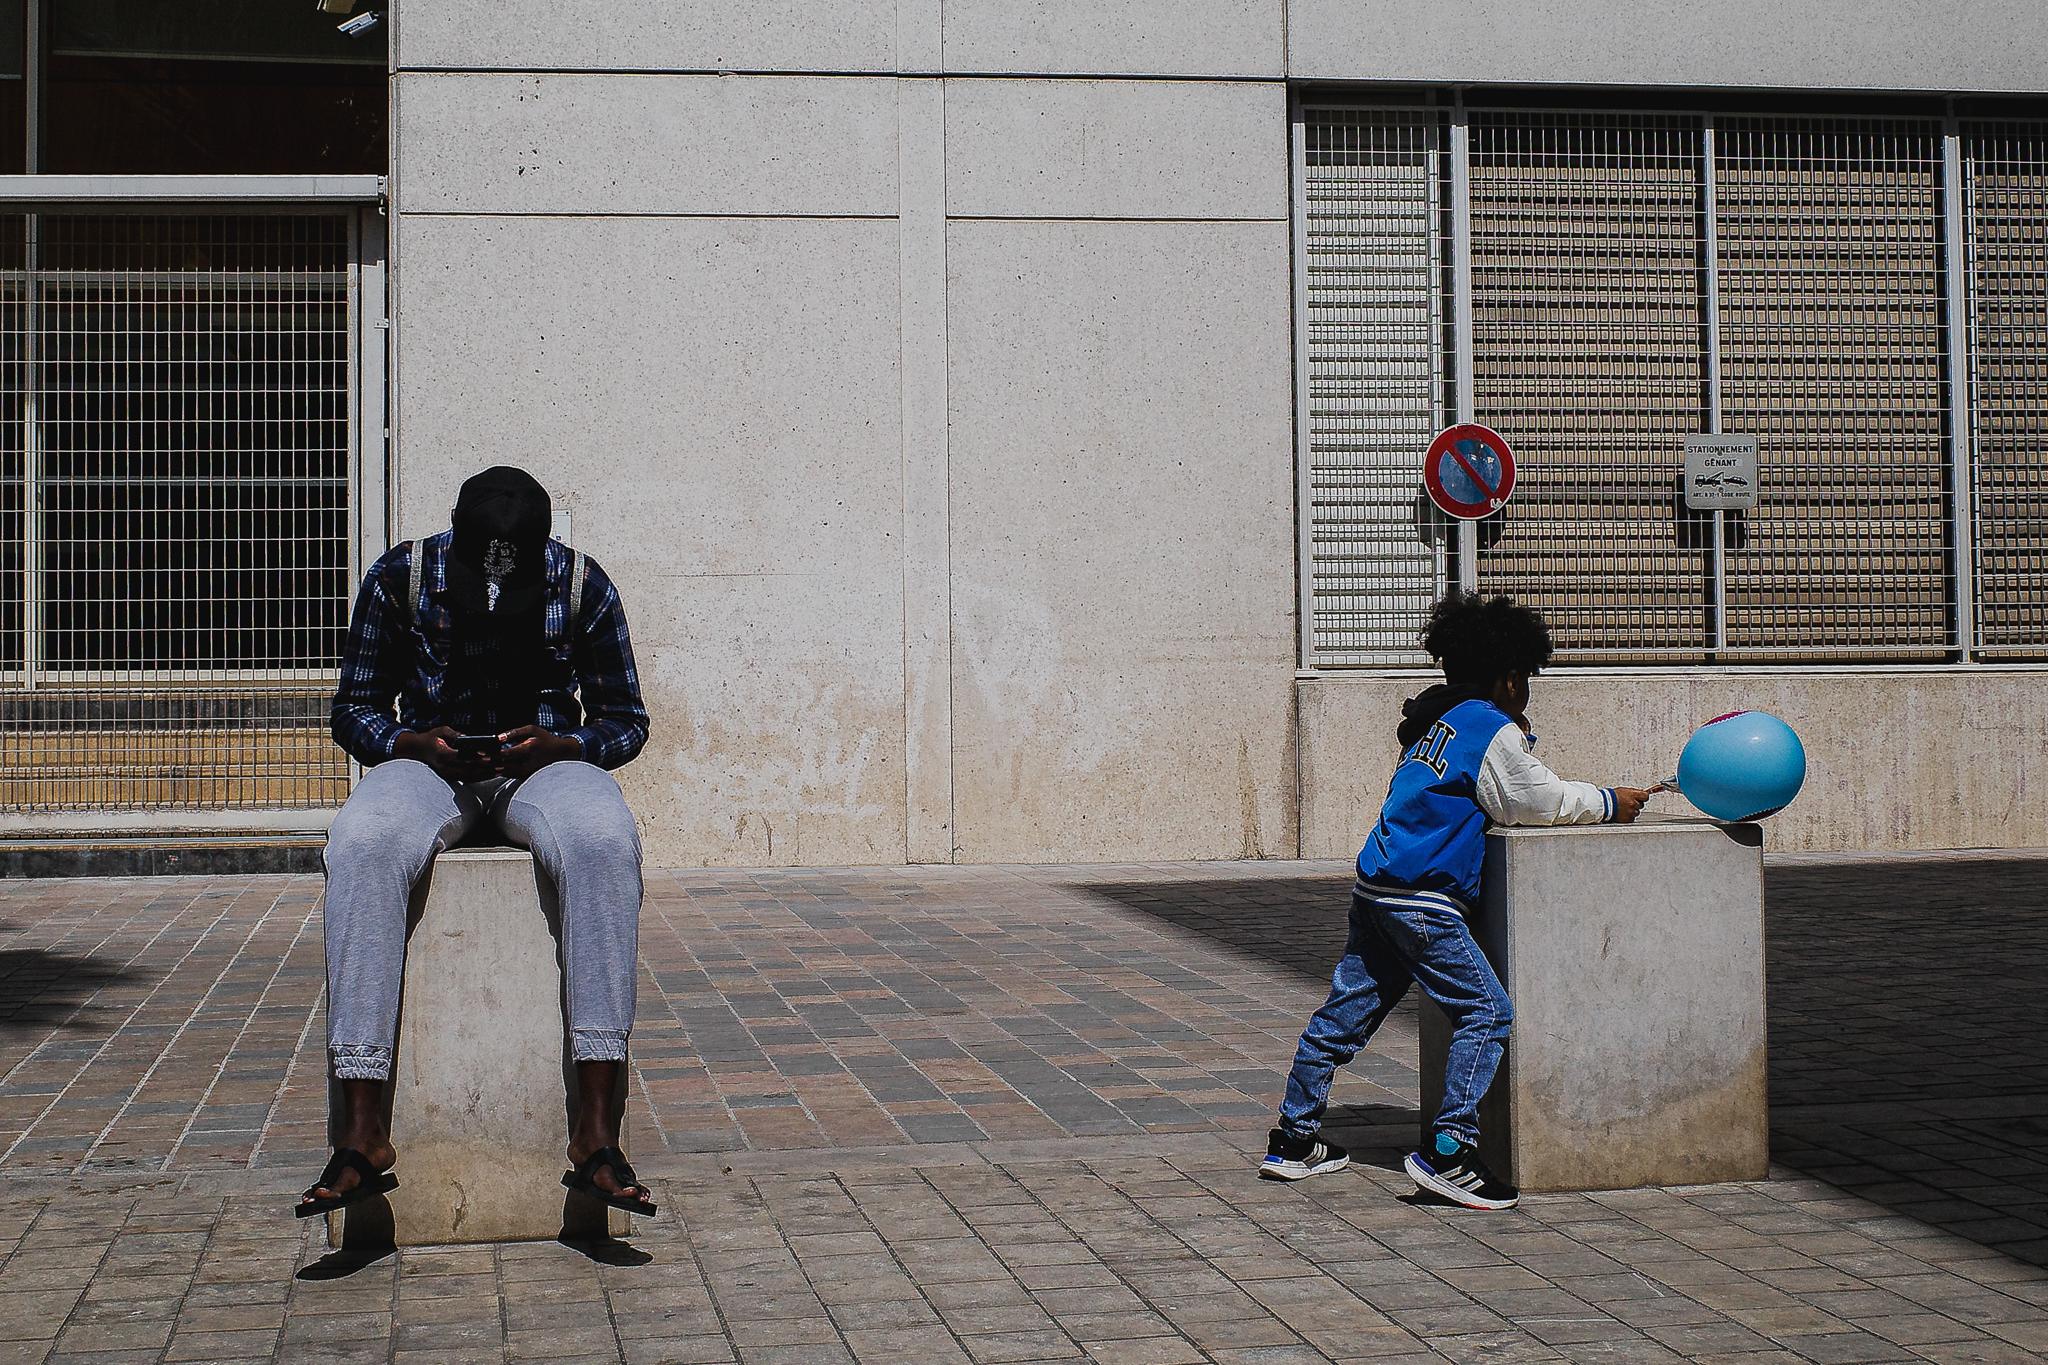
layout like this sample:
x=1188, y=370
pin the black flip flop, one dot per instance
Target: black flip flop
x=583, y=1180
x=374, y=1182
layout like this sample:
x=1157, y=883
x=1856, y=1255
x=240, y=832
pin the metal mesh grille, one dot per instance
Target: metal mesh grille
x=1588, y=356
x=2007, y=168
x=176, y=397
x=1621, y=282
x=1831, y=354
x=1375, y=267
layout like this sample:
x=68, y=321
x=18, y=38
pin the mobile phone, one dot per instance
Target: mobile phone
x=478, y=746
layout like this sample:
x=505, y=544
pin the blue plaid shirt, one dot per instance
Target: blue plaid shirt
x=391, y=657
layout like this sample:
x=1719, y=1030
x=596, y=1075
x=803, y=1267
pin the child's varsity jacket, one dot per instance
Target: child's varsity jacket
x=1473, y=766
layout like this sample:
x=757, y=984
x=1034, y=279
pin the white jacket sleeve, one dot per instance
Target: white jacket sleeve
x=1514, y=789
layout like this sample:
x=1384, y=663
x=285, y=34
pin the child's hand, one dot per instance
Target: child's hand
x=1628, y=804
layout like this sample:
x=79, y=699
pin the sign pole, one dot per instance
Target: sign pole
x=1962, y=464
x=1711, y=190
x=1720, y=475
x=1720, y=583
x=1461, y=312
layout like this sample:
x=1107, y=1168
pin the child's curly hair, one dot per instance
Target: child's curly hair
x=1477, y=639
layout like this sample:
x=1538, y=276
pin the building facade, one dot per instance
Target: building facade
x=1004, y=422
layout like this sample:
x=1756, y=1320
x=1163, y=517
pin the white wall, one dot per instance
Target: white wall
x=922, y=372
x=1896, y=757
x=1200, y=38
x=935, y=429
x=1926, y=45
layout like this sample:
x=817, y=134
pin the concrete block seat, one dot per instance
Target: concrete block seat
x=482, y=1091
x=1634, y=955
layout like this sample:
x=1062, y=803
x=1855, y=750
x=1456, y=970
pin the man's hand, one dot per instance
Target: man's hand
x=431, y=747
x=1628, y=804
x=529, y=749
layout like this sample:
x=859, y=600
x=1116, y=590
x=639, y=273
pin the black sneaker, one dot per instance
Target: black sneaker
x=1290, y=1158
x=1459, y=1175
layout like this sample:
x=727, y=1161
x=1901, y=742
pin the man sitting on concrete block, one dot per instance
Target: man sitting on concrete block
x=506, y=655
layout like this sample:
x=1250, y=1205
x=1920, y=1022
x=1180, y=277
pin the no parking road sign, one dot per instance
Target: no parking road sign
x=1469, y=471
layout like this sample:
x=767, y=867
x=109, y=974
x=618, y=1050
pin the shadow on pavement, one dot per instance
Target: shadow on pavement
x=1376, y=1134
x=1296, y=922
x=1908, y=1024
x=1909, y=1039
x=41, y=989
x=606, y=1250
x=338, y=1265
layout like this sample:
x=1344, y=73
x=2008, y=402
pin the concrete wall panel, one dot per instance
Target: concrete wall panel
x=1992, y=45
x=1132, y=38
x=704, y=35
x=716, y=404
x=1116, y=149
x=487, y=143
x=1122, y=531
x=1894, y=756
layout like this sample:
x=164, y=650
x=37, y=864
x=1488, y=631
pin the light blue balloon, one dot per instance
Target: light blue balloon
x=1742, y=766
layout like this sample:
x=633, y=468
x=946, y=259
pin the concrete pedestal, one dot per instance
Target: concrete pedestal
x=482, y=1093
x=1634, y=956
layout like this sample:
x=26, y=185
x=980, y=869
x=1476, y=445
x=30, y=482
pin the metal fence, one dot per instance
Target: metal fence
x=1372, y=342
x=1832, y=354
x=179, y=400
x=1613, y=281
x=1586, y=306
x=2007, y=197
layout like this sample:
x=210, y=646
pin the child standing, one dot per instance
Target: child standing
x=1466, y=761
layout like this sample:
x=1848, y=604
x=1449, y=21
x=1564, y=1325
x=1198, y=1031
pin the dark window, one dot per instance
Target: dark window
x=228, y=87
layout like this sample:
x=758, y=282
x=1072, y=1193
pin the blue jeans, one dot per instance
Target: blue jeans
x=1396, y=940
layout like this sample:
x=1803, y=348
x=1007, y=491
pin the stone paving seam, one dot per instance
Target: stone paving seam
x=1018, y=1333
x=206, y=1244
x=1137, y=1208
x=309, y=1052
x=101, y=1261
x=689, y=1243
x=895, y=1259
x=1081, y=1239
x=268, y=923
x=213, y=1083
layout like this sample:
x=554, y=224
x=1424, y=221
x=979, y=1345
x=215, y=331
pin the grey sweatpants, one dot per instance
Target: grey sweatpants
x=400, y=815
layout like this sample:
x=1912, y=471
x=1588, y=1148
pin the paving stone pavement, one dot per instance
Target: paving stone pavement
x=997, y=1114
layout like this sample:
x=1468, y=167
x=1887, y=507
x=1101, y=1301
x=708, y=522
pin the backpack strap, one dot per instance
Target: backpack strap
x=419, y=574
x=576, y=563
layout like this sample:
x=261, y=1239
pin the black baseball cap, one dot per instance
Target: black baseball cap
x=501, y=521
